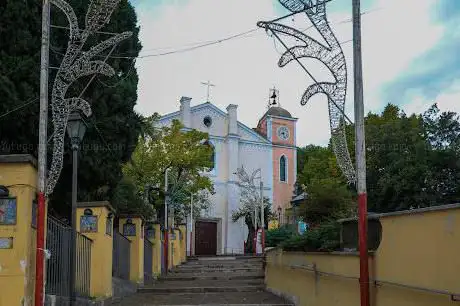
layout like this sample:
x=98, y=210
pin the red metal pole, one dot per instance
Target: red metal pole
x=263, y=240
x=40, y=258
x=166, y=254
x=363, y=252
x=360, y=145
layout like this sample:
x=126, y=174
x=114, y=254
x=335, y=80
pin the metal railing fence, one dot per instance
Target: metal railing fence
x=121, y=256
x=58, y=243
x=83, y=265
x=148, y=261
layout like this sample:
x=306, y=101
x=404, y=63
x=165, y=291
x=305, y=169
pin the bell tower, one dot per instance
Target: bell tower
x=273, y=99
x=278, y=126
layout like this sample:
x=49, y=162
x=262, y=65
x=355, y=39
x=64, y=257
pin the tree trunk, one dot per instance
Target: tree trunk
x=250, y=241
x=250, y=238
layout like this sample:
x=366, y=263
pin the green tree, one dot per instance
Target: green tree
x=315, y=163
x=113, y=128
x=126, y=199
x=442, y=132
x=185, y=154
x=412, y=161
x=328, y=199
x=328, y=195
x=395, y=159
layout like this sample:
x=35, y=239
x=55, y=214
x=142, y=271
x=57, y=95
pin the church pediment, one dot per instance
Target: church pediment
x=168, y=119
x=210, y=119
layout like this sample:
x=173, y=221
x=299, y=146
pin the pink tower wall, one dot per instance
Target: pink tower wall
x=282, y=191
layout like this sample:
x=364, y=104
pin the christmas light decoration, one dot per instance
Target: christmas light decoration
x=76, y=64
x=331, y=55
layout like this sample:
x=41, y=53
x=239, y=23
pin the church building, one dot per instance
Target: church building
x=271, y=146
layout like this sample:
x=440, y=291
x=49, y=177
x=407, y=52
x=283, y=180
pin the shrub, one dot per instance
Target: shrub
x=274, y=237
x=325, y=237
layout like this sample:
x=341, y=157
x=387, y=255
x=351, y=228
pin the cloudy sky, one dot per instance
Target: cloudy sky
x=409, y=58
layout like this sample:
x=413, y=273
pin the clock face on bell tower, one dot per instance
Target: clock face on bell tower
x=283, y=133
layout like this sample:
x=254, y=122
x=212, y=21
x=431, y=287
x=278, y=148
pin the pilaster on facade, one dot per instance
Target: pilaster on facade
x=185, y=111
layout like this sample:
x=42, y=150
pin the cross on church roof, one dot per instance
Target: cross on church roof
x=208, y=84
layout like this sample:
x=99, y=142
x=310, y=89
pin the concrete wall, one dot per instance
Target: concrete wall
x=417, y=263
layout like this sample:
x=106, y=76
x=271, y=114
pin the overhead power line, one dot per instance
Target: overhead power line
x=27, y=103
x=198, y=45
x=194, y=46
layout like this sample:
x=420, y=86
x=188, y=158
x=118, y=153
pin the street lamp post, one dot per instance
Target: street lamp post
x=76, y=129
x=279, y=216
x=166, y=235
x=262, y=214
x=191, y=224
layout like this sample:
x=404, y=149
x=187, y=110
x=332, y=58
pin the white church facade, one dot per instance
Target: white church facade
x=271, y=146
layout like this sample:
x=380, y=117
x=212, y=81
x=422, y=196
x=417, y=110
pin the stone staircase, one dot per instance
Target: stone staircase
x=210, y=281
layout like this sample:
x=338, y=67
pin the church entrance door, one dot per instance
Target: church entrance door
x=206, y=238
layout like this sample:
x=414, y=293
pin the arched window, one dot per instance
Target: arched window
x=213, y=155
x=283, y=168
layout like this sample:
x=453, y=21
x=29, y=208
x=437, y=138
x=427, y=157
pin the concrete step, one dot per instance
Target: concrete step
x=220, y=264
x=201, y=289
x=194, y=267
x=224, y=257
x=224, y=264
x=209, y=270
x=212, y=276
x=231, y=298
x=205, y=283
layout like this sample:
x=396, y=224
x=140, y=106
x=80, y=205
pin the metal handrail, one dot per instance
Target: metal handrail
x=85, y=237
x=377, y=282
x=123, y=236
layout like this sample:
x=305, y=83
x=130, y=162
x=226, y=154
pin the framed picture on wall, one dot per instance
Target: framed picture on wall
x=129, y=228
x=8, y=211
x=88, y=222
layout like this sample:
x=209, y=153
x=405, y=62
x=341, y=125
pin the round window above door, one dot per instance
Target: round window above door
x=207, y=121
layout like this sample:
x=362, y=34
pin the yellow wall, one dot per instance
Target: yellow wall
x=17, y=265
x=171, y=251
x=136, y=273
x=183, y=243
x=157, y=250
x=101, y=255
x=417, y=250
x=177, y=249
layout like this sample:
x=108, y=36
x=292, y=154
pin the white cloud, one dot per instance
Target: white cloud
x=449, y=100
x=245, y=68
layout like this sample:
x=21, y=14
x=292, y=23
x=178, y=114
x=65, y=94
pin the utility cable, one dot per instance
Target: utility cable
x=22, y=64
x=30, y=101
x=199, y=45
x=311, y=76
x=205, y=44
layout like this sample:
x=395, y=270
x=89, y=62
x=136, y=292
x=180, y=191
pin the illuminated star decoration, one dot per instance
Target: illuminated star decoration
x=76, y=64
x=331, y=55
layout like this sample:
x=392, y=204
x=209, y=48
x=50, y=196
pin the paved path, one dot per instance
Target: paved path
x=209, y=281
